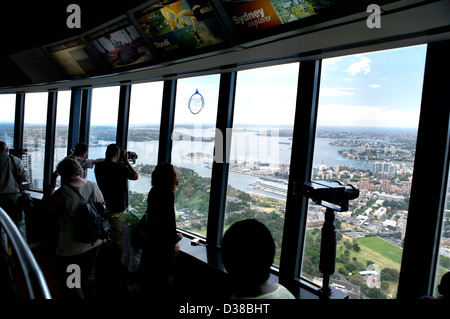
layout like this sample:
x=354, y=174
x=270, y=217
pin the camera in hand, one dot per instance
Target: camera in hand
x=18, y=152
x=132, y=156
x=328, y=194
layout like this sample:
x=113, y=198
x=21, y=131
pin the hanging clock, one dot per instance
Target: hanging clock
x=196, y=102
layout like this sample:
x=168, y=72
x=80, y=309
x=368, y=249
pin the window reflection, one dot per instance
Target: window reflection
x=143, y=136
x=62, y=126
x=7, y=109
x=192, y=149
x=103, y=126
x=35, y=118
x=261, y=147
x=366, y=135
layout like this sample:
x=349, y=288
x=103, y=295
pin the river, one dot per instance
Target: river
x=247, y=146
x=265, y=152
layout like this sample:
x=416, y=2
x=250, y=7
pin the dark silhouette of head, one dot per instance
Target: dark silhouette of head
x=444, y=286
x=3, y=147
x=248, y=250
x=164, y=176
x=80, y=149
x=111, y=151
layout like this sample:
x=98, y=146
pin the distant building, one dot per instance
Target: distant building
x=384, y=169
x=26, y=160
x=380, y=212
x=389, y=222
x=395, y=198
x=444, y=252
x=353, y=291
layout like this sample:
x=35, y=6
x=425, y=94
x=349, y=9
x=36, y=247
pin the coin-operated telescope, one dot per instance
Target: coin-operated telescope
x=335, y=197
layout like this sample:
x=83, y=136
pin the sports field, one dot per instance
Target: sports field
x=388, y=255
x=377, y=250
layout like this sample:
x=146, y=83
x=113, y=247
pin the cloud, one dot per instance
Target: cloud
x=374, y=86
x=361, y=115
x=330, y=61
x=336, y=91
x=361, y=66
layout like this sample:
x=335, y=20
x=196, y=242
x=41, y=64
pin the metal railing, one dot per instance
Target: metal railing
x=34, y=279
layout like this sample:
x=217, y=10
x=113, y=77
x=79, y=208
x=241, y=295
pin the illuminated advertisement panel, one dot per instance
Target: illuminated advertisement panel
x=120, y=45
x=180, y=26
x=71, y=56
x=254, y=15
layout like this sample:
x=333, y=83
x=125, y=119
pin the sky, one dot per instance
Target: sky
x=376, y=89
x=208, y=88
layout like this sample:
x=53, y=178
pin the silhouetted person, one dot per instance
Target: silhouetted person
x=80, y=155
x=112, y=179
x=64, y=205
x=248, y=250
x=444, y=286
x=159, y=254
x=9, y=189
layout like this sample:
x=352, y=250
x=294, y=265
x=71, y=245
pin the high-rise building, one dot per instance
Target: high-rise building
x=26, y=160
x=384, y=169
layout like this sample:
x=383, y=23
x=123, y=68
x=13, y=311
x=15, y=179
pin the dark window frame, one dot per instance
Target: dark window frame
x=420, y=254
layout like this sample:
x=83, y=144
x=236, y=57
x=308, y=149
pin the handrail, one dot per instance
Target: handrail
x=34, y=278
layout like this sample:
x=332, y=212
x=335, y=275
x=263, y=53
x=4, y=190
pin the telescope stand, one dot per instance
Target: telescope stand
x=328, y=251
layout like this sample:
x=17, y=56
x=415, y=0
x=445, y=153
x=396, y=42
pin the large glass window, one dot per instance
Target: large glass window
x=8, y=108
x=368, y=114
x=62, y=126
x=192, y=149
x=103, y=128
x=143, y=136
x=34, y=136
x=261, y=147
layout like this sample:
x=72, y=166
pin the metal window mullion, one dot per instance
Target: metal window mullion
x=167, y=121
x=219, y=174
x=74, y=118
x=50, y=136
x=123, y=116
x=85, y=116
x=429, y=182
x=19, y=120
x=300, y=171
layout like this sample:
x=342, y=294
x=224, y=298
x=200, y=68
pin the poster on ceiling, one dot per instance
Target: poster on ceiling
x=120, y=45
x=255, y=15
x=72, y=57
x=180, y=27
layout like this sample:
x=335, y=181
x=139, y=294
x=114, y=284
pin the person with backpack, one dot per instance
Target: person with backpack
x=75, y=260
x=9, y=188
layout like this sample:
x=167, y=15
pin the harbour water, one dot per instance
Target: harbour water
x=147, y=152
x=247, y=146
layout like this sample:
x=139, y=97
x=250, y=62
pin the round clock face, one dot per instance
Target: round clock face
x=196, y=102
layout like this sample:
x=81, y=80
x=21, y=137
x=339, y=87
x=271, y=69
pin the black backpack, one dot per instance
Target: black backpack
x=92, y=222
